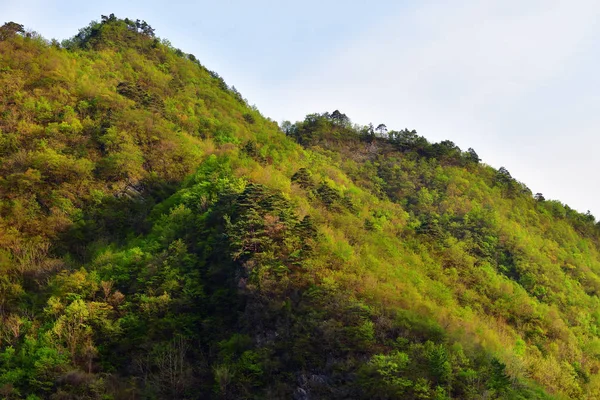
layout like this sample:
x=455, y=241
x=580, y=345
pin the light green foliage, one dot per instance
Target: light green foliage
x=159, y=238
x=390, y=370
x=439, y=365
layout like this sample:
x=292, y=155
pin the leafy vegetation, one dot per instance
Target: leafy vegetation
x=160, y=238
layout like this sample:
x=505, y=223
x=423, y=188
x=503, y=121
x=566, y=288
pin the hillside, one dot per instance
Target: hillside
x=160, y=238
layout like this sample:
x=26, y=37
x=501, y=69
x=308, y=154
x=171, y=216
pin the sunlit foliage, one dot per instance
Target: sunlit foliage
x=160, y=238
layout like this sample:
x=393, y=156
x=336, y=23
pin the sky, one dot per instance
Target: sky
x=517, y=80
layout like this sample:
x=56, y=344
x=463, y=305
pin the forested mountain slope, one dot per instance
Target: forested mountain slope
x=159, y=238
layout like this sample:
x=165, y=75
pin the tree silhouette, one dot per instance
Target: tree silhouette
x=472, y=156
x=338, y=118
x=539, y=197
x=381, y=129
x=10, y=29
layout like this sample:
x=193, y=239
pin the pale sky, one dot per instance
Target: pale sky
x=517, y=80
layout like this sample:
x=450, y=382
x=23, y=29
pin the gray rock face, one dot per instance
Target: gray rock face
x=301, y=394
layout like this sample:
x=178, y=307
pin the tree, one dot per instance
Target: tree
x=251, y=149
x=249, y=118
x=10, y=29
x=503, y=176
x=444, y=150
x=338, y=118
x=110, y=18
x=539, y=197
x=439, y=363
x=144, y=28
x=381, y=129
x=409, y=140
x=303, y=178
x=472, y=156
x=499, y=381
x=368, y=131
x=589, y=217
x=286, y=127
x=328, y=195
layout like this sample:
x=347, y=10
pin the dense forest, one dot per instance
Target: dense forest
x=160, y=238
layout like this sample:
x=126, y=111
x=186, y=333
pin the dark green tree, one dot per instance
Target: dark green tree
x=381, y=130
x=11, y=29
x=472, y=156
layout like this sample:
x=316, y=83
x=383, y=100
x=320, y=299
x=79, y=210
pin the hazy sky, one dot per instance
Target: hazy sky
x=517, y=80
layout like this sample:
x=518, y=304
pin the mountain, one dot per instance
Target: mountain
x=160, y=238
